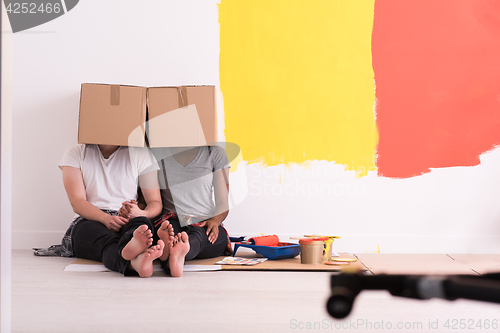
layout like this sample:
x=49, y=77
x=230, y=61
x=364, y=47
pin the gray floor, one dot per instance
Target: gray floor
x=47, y=299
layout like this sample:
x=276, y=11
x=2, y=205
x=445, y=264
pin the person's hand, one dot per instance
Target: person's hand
x=124, y=211
x=115, y=223
x=212, y=229
x=130, y=209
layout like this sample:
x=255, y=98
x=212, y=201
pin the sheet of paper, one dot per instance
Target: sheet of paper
x=85, y=268
x=156, y=268
x=200, y=268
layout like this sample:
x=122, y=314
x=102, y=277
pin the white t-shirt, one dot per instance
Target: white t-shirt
x=109, y=182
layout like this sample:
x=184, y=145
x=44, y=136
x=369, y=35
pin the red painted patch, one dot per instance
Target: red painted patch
x=437, y=74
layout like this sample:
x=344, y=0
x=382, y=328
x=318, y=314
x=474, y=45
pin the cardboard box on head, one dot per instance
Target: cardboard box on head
x=122, y=115
x=182, y=116
x=110, y=113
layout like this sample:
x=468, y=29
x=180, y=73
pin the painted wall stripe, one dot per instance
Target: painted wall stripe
x=297, y=81
x=437, y=71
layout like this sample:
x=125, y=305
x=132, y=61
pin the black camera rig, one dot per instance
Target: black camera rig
x=346, y=286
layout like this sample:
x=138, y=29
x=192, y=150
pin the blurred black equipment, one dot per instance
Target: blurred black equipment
x=346, y=286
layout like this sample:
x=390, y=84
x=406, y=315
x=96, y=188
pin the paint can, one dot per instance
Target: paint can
x=312, y=250
x=328, y=248
x=328, y=244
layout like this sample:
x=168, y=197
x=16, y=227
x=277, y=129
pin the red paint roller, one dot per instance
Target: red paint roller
x=269, y=240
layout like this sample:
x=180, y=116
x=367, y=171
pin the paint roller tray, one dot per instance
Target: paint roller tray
x=285, y=250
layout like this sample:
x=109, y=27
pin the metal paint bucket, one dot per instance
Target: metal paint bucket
x=312, y=250
x=328, y=248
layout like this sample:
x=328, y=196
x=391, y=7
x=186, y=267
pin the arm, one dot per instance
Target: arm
x=75, y=189
x=221, y=193
x=151, y=193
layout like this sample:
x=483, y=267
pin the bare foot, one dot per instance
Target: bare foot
x=143, y=238
x=178, y=253
x=143, y=263
x=166, y=234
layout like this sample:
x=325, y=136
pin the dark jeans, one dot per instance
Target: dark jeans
x=92, y=240
x=199, y=245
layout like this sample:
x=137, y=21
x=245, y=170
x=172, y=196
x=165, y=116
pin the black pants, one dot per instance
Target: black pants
x=93, y=240
x=199, y=245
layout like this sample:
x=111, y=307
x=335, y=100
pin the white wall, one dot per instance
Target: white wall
x=6, y=180
x=159, y=42
x=452, y=210
x=152, y=43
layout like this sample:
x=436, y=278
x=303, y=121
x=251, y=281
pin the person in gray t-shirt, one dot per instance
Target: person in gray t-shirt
x=194, y=183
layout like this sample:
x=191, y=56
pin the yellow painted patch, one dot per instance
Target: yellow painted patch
x=297, y=80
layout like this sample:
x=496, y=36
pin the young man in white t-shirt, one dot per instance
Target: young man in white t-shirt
x=99, y=181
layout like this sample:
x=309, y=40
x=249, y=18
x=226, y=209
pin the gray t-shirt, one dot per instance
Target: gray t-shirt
x=188, y=190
